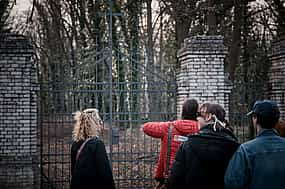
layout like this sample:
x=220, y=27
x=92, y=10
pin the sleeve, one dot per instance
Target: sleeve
x=103, y=168
x=177, y=174
x=237, y=173
x=156, y=129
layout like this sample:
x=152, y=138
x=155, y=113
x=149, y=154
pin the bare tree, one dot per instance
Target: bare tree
x=5, y=9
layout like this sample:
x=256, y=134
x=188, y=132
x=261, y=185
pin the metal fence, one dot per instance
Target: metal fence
x=118, y=80
x=243, y=95
x=127, y=94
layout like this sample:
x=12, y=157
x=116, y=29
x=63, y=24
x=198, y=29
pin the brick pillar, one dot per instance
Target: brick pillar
x=18, y=113
x=277, y=74
x=202, y=74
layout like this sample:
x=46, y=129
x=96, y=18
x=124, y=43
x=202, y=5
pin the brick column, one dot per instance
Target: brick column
x=202, y=74
x=277, y=74
x=17, y=113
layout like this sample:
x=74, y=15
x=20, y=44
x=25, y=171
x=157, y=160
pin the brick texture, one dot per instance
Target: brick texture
x=277, y=74
x=18, y=114
x=202, y=74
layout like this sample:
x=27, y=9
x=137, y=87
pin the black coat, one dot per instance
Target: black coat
x=201, y=161
x=92, y=170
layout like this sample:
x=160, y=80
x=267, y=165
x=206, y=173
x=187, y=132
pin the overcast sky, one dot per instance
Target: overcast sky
x=21, y=5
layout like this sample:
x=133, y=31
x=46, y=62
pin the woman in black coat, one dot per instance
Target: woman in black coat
x=90, y=166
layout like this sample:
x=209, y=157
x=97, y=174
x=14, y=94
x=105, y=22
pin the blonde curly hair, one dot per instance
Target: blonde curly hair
x=88, y=124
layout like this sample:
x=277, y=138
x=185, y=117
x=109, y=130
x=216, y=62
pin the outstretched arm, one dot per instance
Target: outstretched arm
x=156, y=129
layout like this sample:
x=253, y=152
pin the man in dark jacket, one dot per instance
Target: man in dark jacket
x=201, y=161
x=259, y=163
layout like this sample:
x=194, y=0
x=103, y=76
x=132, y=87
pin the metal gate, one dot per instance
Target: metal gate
x=127, y=92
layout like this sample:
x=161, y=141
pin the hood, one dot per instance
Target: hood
x=186, y=126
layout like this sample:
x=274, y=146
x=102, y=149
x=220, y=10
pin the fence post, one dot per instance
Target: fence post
x=202, y=75
x=18, y=113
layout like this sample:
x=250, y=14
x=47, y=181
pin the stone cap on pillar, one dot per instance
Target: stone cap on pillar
x=15, y=44
x=203, y=45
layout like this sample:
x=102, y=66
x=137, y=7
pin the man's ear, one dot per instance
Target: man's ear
x=254, y=120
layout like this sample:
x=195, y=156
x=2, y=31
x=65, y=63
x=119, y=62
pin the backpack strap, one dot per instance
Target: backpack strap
x=168, y=149
x=81, y=147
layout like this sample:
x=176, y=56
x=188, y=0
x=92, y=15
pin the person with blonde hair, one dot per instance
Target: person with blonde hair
x=90, y=166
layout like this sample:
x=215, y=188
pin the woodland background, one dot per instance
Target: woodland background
x=64, y=30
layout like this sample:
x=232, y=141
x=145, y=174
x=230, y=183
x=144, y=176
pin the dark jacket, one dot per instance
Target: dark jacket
x=201, y=161
x=92, y=170
x=258, y=164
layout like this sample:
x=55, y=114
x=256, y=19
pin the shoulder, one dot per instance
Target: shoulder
x=206, y=139
x=246, y=148
x=193, y=137
x=156, y=129
x=184, y=122
x=76, y=144
x=192, y=141
x=282, y=139
x=95, y=141
x=95, y=144
x=278, y=139
x=147, y=124
x=200, y=136
x=252, y=144
x=261, y=142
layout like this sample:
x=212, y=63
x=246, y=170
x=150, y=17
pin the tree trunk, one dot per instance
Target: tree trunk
x=211, y=18
x=280, y=8
x=233, y=58
x=160, y=65
x=182, y=28
x=150, y=57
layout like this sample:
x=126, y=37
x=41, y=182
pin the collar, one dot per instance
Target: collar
x=220, y=132
x=264, y=132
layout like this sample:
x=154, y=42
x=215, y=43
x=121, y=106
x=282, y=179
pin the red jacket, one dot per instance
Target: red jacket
x=160, y=130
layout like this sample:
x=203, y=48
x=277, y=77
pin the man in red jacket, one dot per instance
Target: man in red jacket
x=187, y=125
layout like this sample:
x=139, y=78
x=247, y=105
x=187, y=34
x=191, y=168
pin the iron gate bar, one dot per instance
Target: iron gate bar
x=124, y=104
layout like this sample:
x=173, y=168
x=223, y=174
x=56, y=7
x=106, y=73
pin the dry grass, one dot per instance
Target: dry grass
x=133, y=158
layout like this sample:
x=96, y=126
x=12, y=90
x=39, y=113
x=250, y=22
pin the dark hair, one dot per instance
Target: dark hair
x=205, y=106
x=266, y=122
x=227, y=126
x=218, y=110
x=189, y=109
